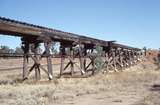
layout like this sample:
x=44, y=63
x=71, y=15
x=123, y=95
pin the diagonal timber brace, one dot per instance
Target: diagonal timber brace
x=30, y=49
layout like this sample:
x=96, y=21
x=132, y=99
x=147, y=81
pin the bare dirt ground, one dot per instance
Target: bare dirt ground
x=139, y=85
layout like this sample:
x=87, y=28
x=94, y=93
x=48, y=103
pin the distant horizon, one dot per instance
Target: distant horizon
x=132, y=23
x=18, y=42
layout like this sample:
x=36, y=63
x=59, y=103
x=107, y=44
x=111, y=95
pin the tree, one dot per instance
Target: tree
x=54, y=47
x=145, y=50
x=18, y=50
x=5, y=49
x=157, y=60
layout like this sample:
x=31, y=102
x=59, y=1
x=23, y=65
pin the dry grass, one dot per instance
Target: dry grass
x=151, y=99
x=131, y=87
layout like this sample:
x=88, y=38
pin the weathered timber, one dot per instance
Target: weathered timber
x=115, y=45
x=72, y=46
x=17, y=28
x=30, y=49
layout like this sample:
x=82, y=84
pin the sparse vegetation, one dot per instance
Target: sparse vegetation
x=131, y=87
x=99, y=61
x=157, y=61
x=18, y=50
x=6, y=51
x=134, y=86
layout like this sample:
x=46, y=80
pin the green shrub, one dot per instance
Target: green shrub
x=157, y=61
x=99, y=61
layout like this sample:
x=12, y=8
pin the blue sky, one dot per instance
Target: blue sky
x=132, y=22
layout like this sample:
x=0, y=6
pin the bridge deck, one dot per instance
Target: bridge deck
x=22, y=29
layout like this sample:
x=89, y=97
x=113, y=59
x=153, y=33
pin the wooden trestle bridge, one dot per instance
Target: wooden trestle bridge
x=117, y=56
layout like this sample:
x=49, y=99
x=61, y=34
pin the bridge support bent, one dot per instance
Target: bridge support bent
x=31, y=52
